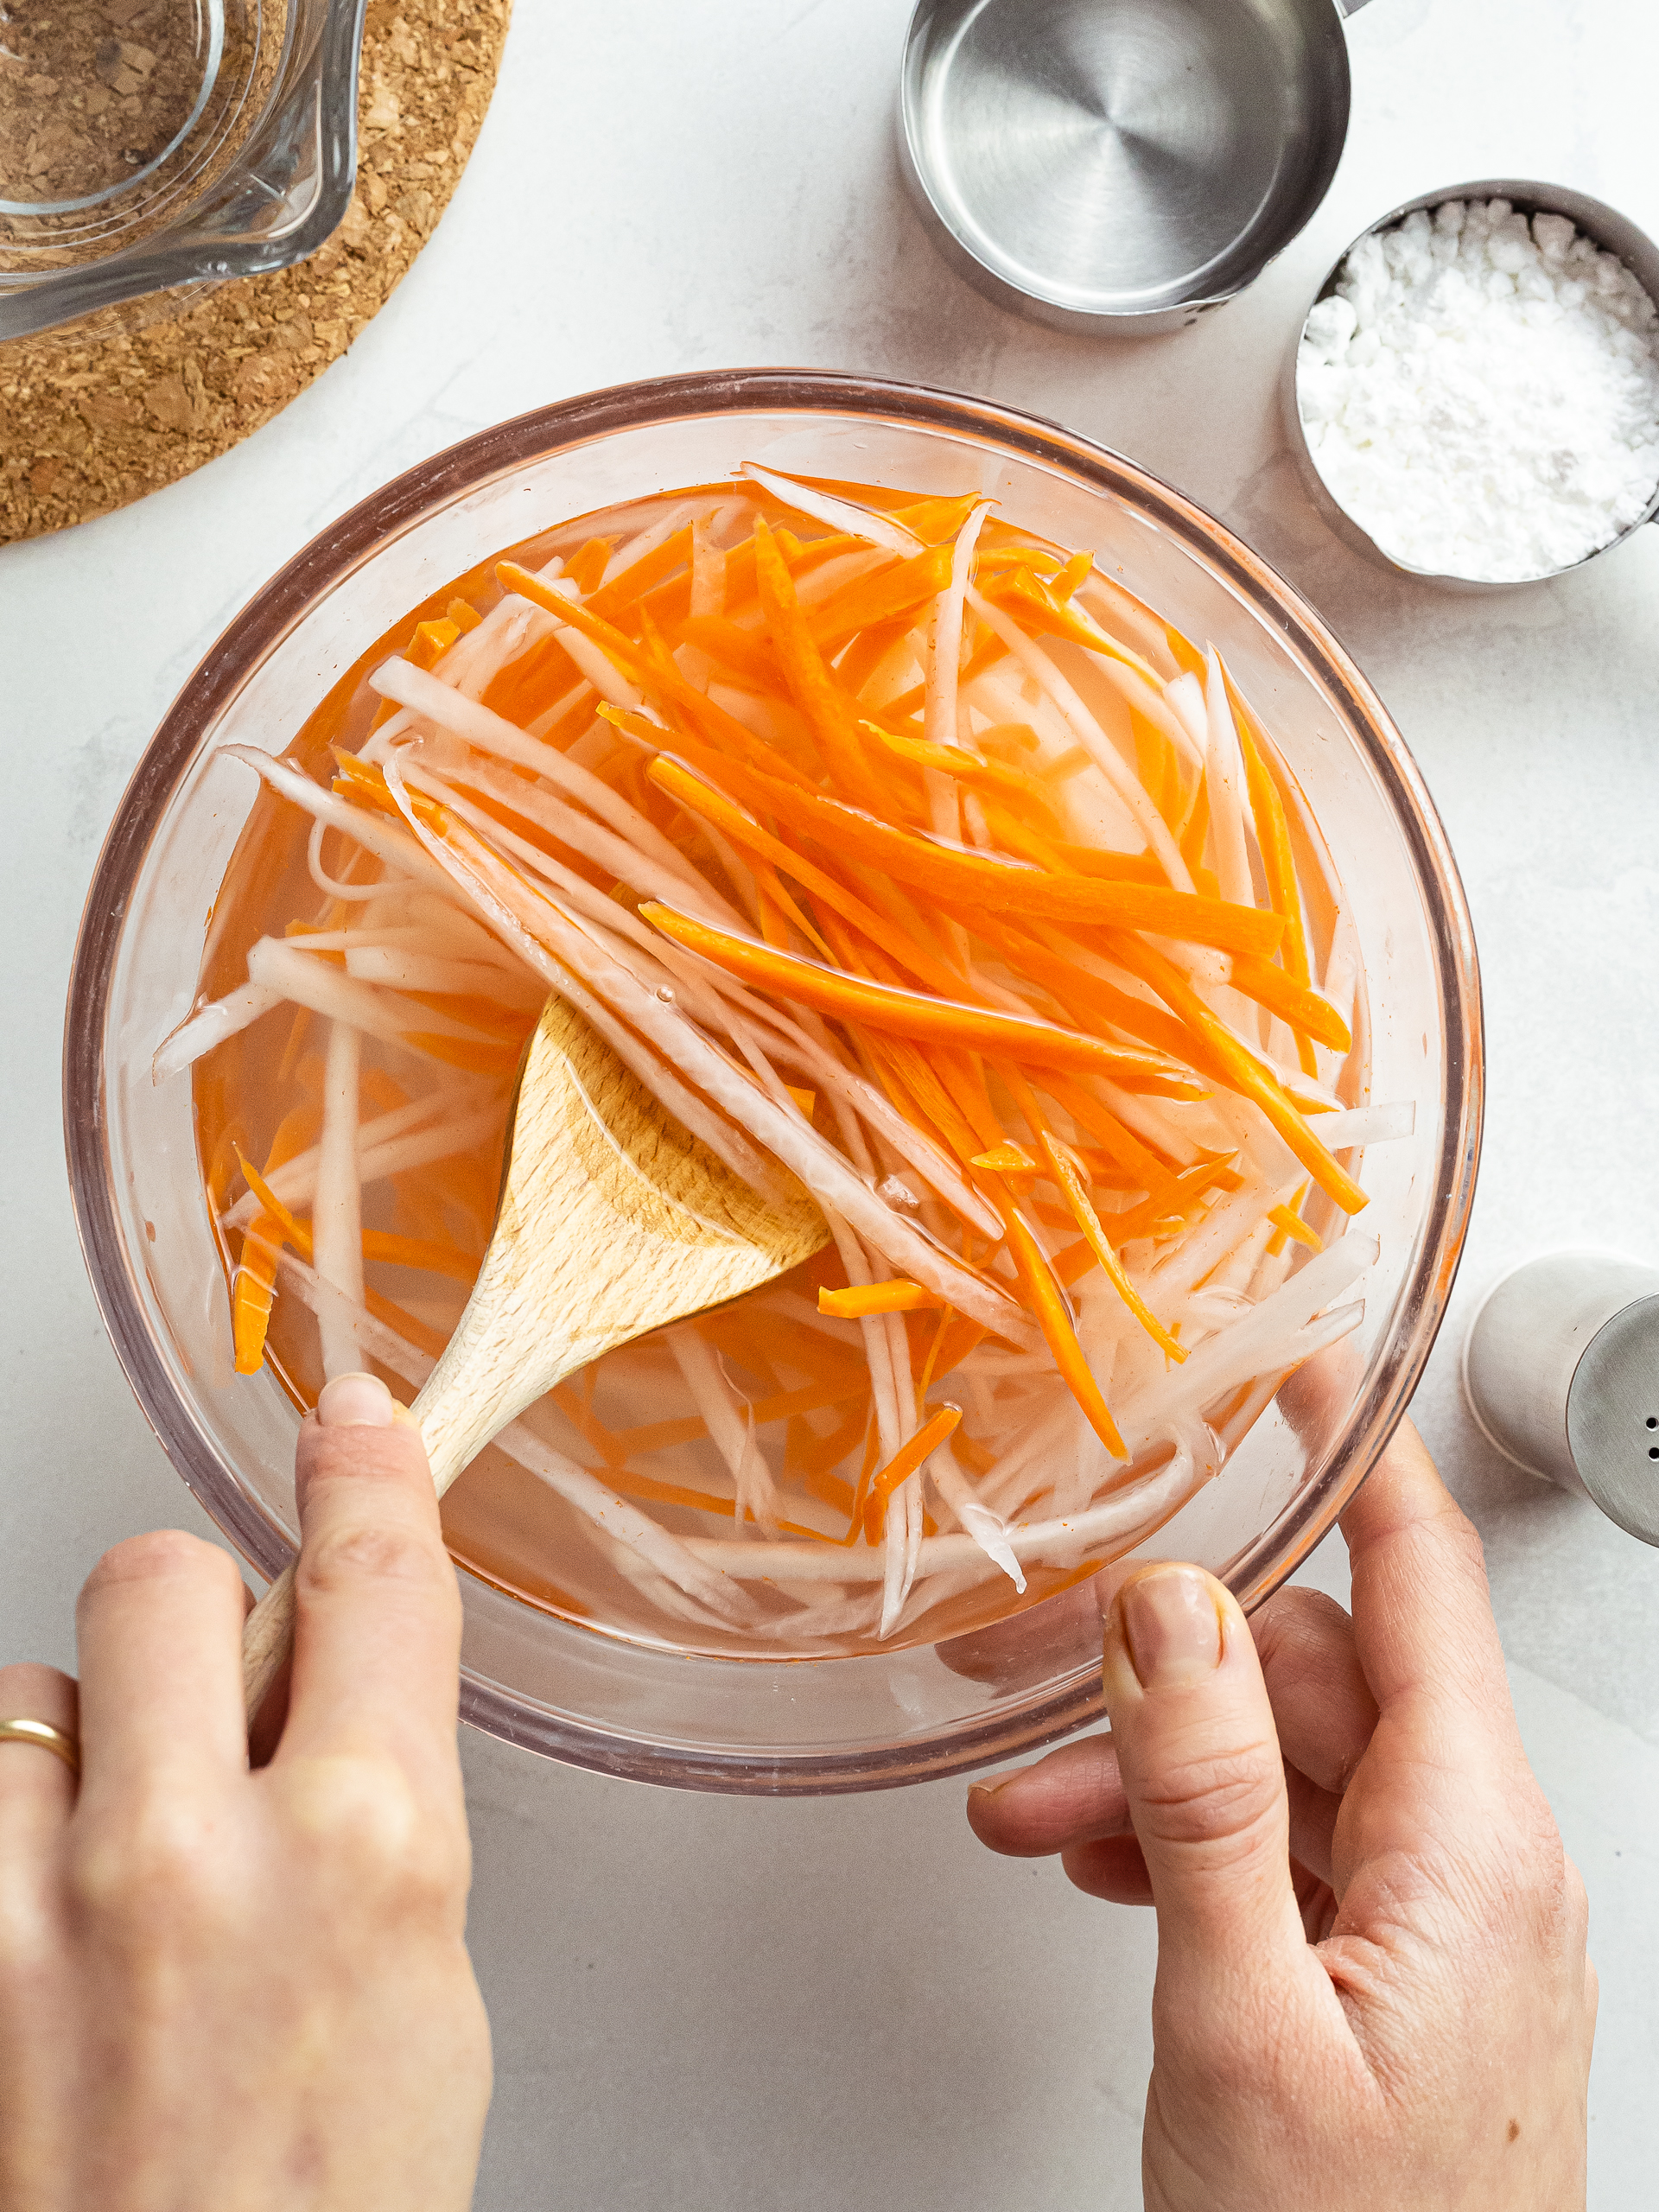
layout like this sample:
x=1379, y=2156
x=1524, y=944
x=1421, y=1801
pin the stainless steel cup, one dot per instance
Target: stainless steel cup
x=1120, y=166
x=1613, y=232
x=1560, y=1368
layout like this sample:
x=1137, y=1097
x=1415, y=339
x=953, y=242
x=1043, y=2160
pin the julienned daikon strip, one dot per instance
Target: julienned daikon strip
x=1148, y=1503
x=418, y=971
x=390, y=1153
x=682, y=1045
x=377, y=834
x=491, y=733
x=795, y=1044
x=580, y=1489
x=839, y=514
x=1247, y=1349
x=734, y=1436
x=328, y=990
x=200, y=1032
x=336, y=1220
x=498, y=895
x=627, y=862
x=1088, y=733
x=1362, y=1125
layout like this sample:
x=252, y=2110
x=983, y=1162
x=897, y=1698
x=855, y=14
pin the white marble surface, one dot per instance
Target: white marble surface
x=706, y=2006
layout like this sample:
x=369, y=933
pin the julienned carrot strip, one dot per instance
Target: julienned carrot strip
x=463, y=614
x=1273, y=836
x=1005, y=1159
x=1288, y=1223
x=903, y=1464
x=978, y=880
x=990, y=776
x=254, y=1285
x=1302, y=1007
x=1122, y=1143
x=829, y=709
x=1024, y=596
x=1242, y=1070
x=894, y=1297
x=615, y=598
x=731, y=820
x=935, y=521
x=481, y=1056
x=430, y=641
x=665, y=680
x=362, y=780
x=871, y=1453
x=586, y=568
x=818, y=1455
x=253, y=1292
x=1174, y=1201
x=1047, y=1306
x=432, y=1257
x=868, y=651
x=698, y=1501
x=920, y=924
x=936, y=1344
x=745, y=653
x=295, y=1231
x=1126, y=867
x=1070, y=1185
x=1196, y=834
x=960, y=1074
x=879, y=597
x=1088, y=998
x=916, y=1092
x=296, y=1234
x=908, y=1013
x=775, y=893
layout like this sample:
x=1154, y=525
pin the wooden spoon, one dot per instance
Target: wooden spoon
x=613, y=1221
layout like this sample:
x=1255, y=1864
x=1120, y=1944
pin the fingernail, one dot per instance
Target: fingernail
x=998, y=1782
x=356, y=1401
x=1172, y=1627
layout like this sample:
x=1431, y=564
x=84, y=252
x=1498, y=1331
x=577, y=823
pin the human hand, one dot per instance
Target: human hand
x=1372, y=1989
x=227, y=1990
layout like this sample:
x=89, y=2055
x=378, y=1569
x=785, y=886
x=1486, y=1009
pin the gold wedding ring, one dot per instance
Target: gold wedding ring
x=48, y=1738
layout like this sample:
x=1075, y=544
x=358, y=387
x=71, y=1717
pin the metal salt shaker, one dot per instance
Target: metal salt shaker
x=1560, y=1368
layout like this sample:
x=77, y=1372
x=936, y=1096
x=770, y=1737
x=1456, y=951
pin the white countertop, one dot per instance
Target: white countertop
x=705, y=2004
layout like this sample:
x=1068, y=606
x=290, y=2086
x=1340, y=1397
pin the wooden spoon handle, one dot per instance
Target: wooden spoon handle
x=267, y=1639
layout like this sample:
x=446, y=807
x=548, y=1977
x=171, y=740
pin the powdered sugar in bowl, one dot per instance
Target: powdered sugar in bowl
x=1474, y=395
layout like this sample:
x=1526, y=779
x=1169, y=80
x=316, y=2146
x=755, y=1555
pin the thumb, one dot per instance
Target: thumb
x=1202, y=1771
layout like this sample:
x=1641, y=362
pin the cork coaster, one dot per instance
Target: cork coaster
x=90, y=423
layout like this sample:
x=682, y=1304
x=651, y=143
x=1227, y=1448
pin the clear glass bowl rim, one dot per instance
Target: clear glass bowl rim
x=354, y=539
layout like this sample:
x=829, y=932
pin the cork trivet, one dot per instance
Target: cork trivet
x=87, y=425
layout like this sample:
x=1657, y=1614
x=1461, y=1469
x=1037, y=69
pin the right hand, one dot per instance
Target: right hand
x=226, y=1989
x=1372, y=1993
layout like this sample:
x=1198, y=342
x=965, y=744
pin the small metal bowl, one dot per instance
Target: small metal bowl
x=1120, y=166
x=1613, y=232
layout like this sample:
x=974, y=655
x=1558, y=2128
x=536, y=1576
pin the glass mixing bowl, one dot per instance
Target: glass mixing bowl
x=758, y=1725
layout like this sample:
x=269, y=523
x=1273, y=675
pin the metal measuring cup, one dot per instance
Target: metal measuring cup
x=1120, y=166
x=1561, y=1370
x=1613, y=232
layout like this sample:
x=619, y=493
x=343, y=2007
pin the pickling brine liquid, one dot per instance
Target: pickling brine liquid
x=912, y=862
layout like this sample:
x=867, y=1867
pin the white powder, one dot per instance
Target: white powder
x=1483, y=396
